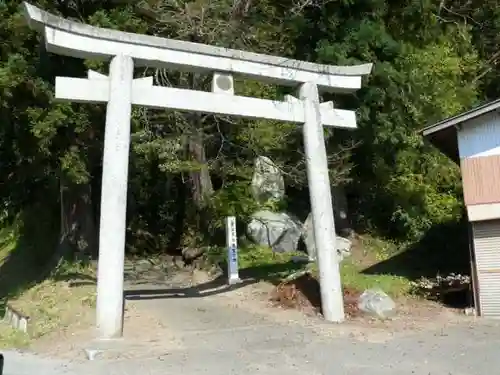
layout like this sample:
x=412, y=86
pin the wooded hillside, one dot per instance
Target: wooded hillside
x=431, y=59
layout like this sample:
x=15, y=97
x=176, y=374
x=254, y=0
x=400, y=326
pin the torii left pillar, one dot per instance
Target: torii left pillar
x=112, y=229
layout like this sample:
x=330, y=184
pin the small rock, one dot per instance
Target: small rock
x=377, y=303
x=92, y=354
x=470, y=311
x=143, y=265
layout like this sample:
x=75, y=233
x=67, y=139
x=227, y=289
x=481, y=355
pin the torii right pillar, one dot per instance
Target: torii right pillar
x=321, y=205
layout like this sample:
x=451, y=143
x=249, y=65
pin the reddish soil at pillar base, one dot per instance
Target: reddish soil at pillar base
x=303, y=293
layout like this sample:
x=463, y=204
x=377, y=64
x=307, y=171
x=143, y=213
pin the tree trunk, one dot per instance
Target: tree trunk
x=78, y=236
x=180, y=218
x=78, y=227
x=200, y=180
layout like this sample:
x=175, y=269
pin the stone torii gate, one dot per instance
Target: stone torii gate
x=120, y=91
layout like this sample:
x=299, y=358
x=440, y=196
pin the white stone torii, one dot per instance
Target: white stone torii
x=120, y=91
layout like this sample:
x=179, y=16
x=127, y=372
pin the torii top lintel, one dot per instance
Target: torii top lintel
x=76, y=39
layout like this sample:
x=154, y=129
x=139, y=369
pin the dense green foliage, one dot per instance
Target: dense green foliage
x=432, y=59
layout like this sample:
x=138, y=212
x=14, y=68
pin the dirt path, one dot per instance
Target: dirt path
x=186, y=289
x=167, y=310
x=192, y=323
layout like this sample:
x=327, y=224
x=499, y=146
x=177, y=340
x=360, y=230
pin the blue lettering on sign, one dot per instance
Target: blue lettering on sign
x=234, y=255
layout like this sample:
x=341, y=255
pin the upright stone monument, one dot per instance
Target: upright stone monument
x=120, y=91
x=268, y=183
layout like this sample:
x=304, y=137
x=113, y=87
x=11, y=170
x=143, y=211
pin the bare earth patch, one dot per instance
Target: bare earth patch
x=144, y=336
x=148, y=333
x=303, y=293
x=62, y=317
x=287, y=303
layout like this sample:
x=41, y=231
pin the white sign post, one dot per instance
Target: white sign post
x=120, y=91
x=233, y=276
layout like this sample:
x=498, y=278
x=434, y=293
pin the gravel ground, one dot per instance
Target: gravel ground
x=278, y=349
x=237, y=332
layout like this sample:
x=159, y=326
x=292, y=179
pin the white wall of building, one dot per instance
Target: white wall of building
x=480, y=136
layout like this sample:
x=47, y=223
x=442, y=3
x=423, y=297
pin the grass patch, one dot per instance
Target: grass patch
x=258, y=262
x=26, y=245
x=368, y=250
x=8, y=240
x=9, y=236
x=261, y=263
x=65, y=298
x=395, y=286
x=11, y=338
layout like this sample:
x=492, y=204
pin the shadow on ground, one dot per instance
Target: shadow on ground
x=25, y=251
x=444, y=249
x=210, y=288
x=248, y=276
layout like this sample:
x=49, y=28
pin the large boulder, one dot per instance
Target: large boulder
x=279, y=231
x=267, y=181
x=342, y=246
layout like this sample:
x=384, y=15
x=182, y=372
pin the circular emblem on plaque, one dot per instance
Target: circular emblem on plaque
x=224, y=83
